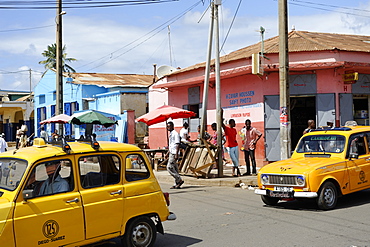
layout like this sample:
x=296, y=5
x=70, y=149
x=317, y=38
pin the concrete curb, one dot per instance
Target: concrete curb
x=227, y=181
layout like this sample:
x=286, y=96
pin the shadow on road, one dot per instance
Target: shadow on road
x=352, y=200
x=170, y=240
x=166, y=240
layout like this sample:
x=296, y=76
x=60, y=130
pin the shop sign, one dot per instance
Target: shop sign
x=350, y=77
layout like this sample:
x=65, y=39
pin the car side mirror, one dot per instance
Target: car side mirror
x=28, y=194
x=353, y=156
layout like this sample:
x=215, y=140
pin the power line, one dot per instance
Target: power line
x=332, y=6
x=74, y=4
x=154, y=32
x=25, y=29
x=329, y=10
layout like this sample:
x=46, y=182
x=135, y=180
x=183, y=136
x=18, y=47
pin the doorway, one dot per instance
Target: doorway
x=302, y=109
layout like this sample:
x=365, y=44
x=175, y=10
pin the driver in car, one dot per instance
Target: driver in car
x=55, y=183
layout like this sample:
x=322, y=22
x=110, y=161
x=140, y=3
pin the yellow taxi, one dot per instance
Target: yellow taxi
x=325, y=165
x=78, y=193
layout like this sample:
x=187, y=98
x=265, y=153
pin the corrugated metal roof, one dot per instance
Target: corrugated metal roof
x=111, y=80
x=298, y=41
x=25, y=98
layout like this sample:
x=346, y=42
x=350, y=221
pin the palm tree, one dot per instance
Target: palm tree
x=51, y=61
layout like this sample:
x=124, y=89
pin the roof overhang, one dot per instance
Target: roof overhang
x=247, y=69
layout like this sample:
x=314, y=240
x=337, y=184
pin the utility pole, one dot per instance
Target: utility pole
x=59, y=65
x=284, y=81
x=203, y=123
x=214, y=19
x=30, y=73
x=218, y=93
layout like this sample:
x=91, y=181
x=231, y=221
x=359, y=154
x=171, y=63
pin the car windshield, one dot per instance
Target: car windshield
x=11, y=173
x=321, y=143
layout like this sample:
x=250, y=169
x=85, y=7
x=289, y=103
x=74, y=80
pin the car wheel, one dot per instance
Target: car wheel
x=141, y=232
x=328, y=196
x=270, y=200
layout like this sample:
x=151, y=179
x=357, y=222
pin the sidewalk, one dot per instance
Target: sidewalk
x=228, y=180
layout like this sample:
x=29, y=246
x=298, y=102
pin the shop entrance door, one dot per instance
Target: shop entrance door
x=302, y=109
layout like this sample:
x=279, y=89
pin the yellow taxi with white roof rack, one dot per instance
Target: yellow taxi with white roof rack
x=326, y=164
x=76, y=193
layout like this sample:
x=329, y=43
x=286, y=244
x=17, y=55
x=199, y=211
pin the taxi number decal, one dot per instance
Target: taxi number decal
x=50, y=229
x=362, y=177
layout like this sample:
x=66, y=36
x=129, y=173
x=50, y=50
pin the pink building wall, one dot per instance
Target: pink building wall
x=240, y=88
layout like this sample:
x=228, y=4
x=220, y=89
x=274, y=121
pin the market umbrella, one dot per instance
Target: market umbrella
x=61, y=118
x=163, y=113
x=91, y=117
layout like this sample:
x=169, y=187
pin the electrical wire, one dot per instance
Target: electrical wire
x=154, y=32
x=25, y=29
x=74, y=4
x=329, y=10
x=231, y=25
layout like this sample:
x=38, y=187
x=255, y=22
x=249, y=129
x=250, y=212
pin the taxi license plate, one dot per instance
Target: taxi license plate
x=283, y=189
x=280, y=194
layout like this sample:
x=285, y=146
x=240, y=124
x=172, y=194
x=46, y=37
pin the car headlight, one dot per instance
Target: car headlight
x=300, y=180
x=265, y=178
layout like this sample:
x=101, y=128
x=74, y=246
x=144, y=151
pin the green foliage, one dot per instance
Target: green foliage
x=51, y=63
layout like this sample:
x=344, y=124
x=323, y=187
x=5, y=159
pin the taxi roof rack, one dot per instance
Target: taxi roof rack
x=333, y=129
x=63, y=143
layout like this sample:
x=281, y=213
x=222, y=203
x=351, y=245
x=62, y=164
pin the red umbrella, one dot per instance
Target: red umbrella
x=163, y=113
x=62, y=118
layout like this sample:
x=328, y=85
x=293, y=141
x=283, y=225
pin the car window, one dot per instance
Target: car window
x=136, y=168
x=357, y=144
x=99, y=170
x=321, y=143
x=11, y=173
x=51, y=177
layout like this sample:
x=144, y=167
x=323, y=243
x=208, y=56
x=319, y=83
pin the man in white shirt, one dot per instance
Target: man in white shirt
x=184, y=136
x=3, y=144
x=44, y=134
x=173, y=152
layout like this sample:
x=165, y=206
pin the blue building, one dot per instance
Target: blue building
x=122, y=97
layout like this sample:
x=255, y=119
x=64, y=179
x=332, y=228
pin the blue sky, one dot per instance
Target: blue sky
x=122, y=40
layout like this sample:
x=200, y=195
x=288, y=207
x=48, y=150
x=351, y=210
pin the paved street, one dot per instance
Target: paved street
x=226, y=216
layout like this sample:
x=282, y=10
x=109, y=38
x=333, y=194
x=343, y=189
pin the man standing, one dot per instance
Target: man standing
x=311, y=126
x=3, y=144
x=44, y=134
x=184, y=135
x=173, y=152
x=232, y=145
x=251, y=137
x=18, y=135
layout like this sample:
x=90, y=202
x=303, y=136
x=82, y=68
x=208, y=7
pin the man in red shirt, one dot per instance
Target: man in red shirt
x=232, y=145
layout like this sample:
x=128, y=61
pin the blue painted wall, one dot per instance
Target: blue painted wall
x=107, y=100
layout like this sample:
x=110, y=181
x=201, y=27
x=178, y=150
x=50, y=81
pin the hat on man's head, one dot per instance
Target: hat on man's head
x=49, y=163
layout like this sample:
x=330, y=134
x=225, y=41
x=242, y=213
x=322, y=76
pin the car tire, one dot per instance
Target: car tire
x=270, y=200
x=141, y=232
x=328, y=196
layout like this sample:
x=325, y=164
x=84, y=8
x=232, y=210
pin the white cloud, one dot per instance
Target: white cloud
x=89, y=38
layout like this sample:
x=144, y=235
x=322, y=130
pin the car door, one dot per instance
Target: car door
x=102, y=193
x=53, y=218
x=358, y=167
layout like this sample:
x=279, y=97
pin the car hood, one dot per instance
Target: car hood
x=299, y=165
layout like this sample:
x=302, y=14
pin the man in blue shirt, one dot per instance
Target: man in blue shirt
x=55, y=183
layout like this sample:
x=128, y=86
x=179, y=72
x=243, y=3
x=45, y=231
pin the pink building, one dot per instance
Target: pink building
x=329, y=80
